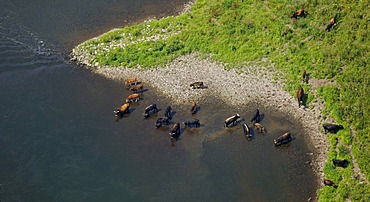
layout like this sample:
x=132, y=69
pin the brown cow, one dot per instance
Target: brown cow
x=175, y=132
x=194, y=108
x=331, y=24
x=283, y=139
x=328, y=182
x=122, y=109
x=131, y=81
x=299, y=13
x=133, y=98
x=259, y=128
x=136, y=88
x=300, y=94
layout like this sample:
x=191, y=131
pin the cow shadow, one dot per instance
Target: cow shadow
x=305, y=80
x=125, y=115
x=251, y=132
x=262, y=116
x=304, y=99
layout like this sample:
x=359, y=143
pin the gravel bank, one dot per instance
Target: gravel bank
x=237, y=87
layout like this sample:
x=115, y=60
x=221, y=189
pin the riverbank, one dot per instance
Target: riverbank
x=238, y=87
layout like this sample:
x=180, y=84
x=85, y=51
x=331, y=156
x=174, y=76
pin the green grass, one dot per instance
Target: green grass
x=237, y=32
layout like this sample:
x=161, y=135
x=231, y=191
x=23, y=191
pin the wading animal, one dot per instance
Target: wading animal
x=136, y=88
x=256, y=117
x=330, y=25
x=131, y=81
x=133, y=98
x=231, y=120
x=247, y=131
x=300, y=94
x=328, y=182
x=340, y=163
x=191, y=123
x=162, y=121
x=259, y=128
x=283, y=139
x=151, y=108
x=299, y=13
x=175, y=132
x=168, y=112
x=331, y=128
x=194, y=108
x=122, y=109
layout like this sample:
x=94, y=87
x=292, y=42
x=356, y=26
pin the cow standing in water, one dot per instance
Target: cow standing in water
x=256, y=117
x=122, y=109
x=168, y=112
x=136, y=88
x=300, y=94
x=148, y=109
x=175, y=132
x=259, y=128
x=194, y=108
x=247, y=131
x=192, y=122
x=283, y=139
x=131, y=81
x=133, y=98
x=231, y=120
x=161, y=121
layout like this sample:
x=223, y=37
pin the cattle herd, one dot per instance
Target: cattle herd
x=137, y=88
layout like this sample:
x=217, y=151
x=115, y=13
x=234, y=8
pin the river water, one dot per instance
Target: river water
x=60, y=141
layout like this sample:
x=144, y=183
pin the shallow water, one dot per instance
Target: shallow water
x=60, y=140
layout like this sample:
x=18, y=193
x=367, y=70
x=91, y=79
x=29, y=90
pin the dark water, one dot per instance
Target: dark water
x=59, y=140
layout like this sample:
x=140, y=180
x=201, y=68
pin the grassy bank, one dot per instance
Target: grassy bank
x=237, y=32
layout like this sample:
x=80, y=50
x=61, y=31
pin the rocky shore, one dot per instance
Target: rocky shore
x=239, y=87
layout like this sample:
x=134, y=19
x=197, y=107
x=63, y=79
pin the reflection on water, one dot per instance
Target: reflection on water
x=60, y=140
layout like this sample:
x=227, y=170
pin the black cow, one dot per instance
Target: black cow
x=168, y=112
x=340, y=163
x=161, y=121
x=231, y=120
x=247, y=131
x=331, y=128
x=149, y=109
x=192, y=122
x=256, y=117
